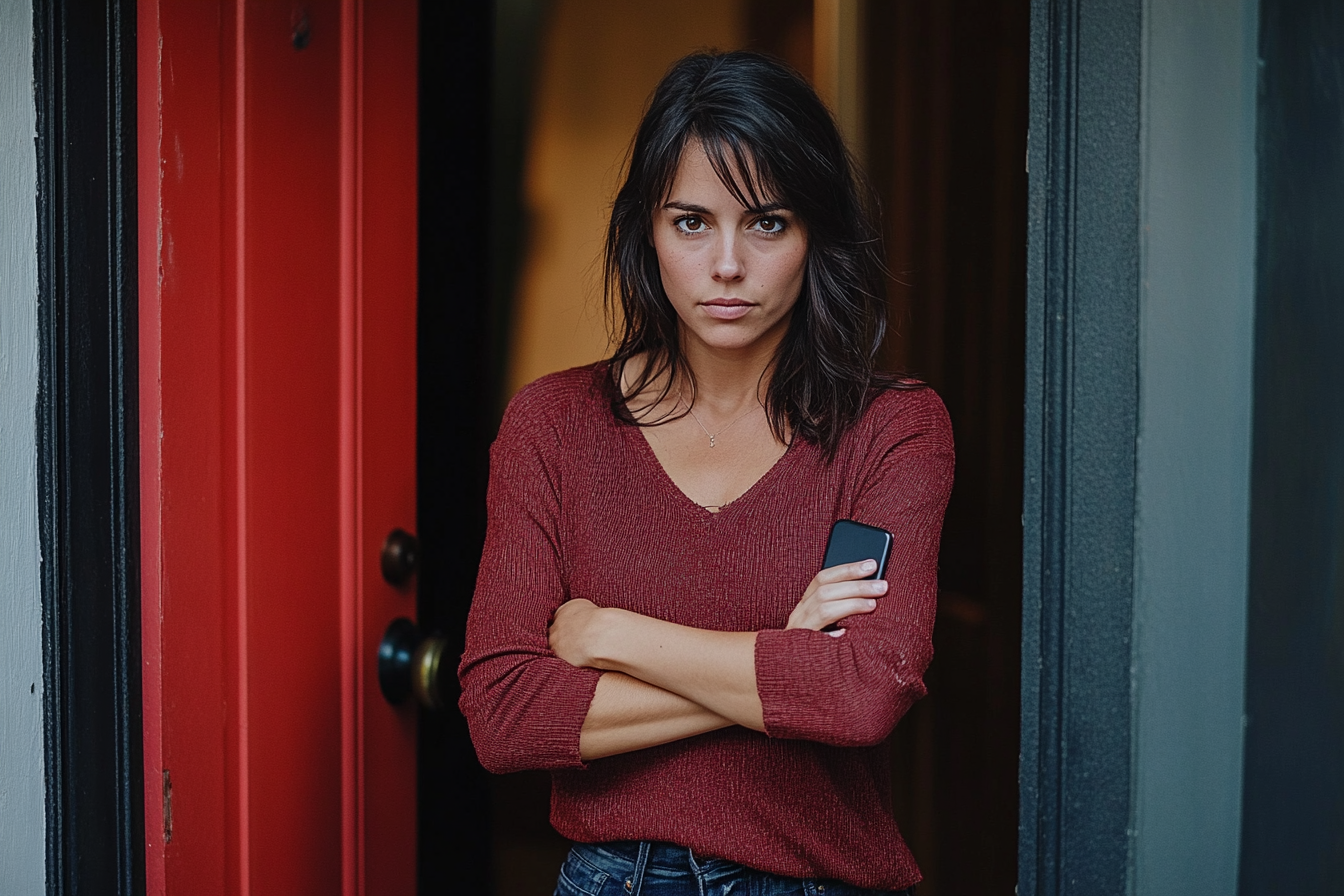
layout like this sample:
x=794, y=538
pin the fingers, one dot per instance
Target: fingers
x=834, y=611
x=843, y=591
x=818, y=616
x=846, y=572
x=828, y=604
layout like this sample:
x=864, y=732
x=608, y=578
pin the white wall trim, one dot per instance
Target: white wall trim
x=22, y=806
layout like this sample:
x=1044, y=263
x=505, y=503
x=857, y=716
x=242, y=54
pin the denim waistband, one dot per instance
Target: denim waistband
x=664, y=856
x=644, y=864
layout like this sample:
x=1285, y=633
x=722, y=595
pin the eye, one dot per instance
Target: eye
x=770, y=224
x=691, y=224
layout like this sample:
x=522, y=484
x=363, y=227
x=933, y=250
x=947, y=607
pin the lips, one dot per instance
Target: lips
x=726, y=309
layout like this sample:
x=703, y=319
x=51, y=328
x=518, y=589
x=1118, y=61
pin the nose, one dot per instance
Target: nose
x=727, y=259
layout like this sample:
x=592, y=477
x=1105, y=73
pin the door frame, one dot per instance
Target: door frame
x=88, y=489
x=1082, y=394
x=1136, y=506
x=1081, y=422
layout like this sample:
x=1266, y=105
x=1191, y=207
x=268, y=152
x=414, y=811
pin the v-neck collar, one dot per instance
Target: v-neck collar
x=644, y=450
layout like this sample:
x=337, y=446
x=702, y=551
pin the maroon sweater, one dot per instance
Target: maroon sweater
x=580, y=507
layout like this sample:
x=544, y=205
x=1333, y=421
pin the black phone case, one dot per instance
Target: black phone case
x=851, y=542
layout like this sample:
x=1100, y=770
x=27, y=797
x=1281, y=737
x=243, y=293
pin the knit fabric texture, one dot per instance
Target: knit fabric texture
x=579, y=507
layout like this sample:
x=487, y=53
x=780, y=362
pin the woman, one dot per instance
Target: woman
x=650, y=623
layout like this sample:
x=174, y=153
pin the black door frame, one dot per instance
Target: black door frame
x=84, y=59
x=1080, y=451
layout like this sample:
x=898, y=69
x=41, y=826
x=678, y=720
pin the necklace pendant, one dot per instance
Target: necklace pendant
x=711, y=441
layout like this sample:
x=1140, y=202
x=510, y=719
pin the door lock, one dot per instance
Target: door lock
x=400, y=558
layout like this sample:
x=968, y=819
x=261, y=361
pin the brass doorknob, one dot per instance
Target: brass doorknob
x=400, y=557
x=408, y=664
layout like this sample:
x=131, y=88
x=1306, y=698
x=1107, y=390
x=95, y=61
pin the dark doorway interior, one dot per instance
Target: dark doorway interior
x=457, y=391
x=946, y=92
x=947, y=112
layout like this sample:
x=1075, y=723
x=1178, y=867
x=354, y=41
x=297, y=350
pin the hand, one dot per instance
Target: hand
x=837, y=593
x=571, y=631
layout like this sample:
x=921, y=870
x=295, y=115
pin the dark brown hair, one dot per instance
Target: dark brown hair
x=770, y=139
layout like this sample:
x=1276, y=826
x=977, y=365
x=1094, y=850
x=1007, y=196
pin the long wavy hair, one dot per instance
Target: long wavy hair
x=769, y=138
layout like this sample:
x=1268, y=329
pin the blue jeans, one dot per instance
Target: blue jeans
x=631, y=868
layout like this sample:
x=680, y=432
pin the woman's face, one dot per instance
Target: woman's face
x=733, y=274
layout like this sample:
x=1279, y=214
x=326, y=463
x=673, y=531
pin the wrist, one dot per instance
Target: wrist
x=604, y=638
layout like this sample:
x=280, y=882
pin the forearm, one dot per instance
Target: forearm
x=628, y=714
x=716, y=670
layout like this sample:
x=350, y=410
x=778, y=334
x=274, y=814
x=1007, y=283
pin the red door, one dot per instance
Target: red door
x=277, y=239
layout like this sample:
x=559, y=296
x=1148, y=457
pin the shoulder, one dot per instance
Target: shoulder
x=903, y=442
x=900, y=414
x=902, y=425
x=555, y=410
x=557, y=400
x=563, y=391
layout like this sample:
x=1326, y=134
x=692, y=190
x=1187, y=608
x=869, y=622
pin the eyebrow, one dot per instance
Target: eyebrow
x=766, y=209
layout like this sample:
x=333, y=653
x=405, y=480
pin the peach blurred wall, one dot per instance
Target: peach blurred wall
x=600, y=60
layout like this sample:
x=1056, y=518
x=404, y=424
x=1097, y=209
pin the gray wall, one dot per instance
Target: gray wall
x=1293, y=818
x=1196, y=341
x=22, y=819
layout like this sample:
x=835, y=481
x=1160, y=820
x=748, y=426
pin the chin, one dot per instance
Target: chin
x=741, y=344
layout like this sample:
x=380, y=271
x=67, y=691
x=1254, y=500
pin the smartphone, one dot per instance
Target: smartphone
x=851, y=542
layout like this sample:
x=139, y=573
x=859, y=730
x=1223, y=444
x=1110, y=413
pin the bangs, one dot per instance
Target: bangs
x=744, y=173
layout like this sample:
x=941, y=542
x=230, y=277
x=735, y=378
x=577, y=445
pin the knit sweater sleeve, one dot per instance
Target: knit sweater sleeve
x=851, y=690
x=524, y=705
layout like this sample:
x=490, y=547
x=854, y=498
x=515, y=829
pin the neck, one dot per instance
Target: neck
x=727, y=383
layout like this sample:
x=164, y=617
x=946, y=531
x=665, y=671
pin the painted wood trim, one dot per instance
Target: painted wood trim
x=158, y=811
x=182, y=60
x=87, y=444
x=351, y=560
x=1081, y=416
x=23, y=858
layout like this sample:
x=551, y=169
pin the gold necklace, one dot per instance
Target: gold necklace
x=696, y=418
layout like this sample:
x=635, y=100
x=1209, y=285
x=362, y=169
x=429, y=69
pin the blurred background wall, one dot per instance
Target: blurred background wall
x=596, y=66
